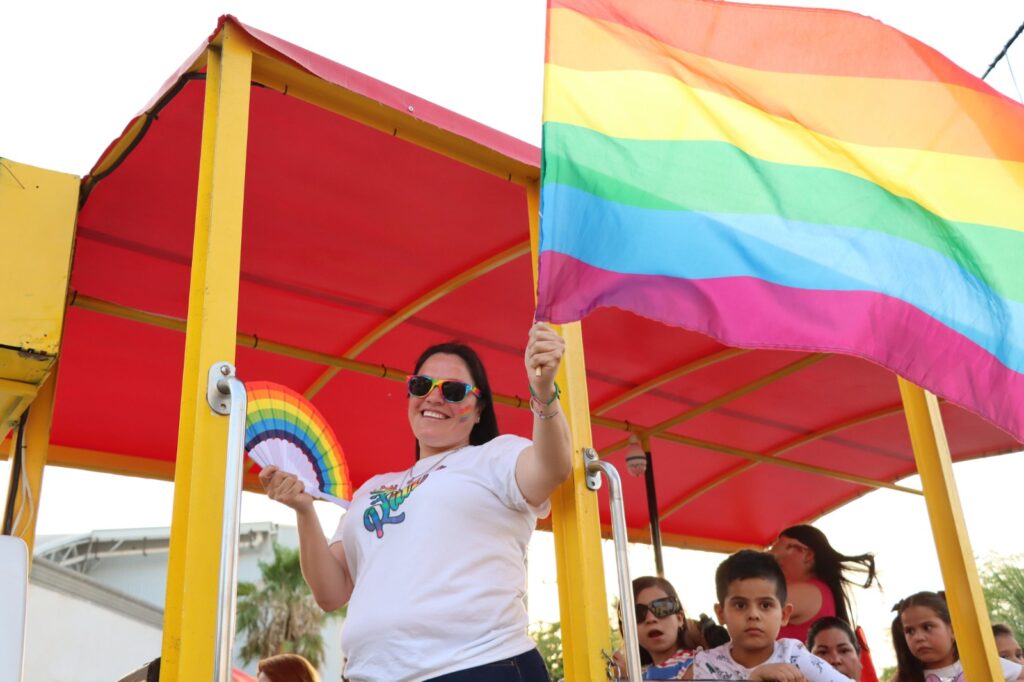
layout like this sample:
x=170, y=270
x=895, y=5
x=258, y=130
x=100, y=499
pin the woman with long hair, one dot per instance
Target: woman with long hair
x=431, y=560
x=818, y=578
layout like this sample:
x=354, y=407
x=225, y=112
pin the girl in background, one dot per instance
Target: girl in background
x=922, y=634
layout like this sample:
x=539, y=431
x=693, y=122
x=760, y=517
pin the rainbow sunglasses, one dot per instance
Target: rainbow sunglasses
x=420, y=386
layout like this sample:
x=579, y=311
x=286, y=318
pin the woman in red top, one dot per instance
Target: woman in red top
x=816, y=578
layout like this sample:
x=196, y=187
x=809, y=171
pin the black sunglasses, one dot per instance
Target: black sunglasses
x=661, y=608
x=420, y=386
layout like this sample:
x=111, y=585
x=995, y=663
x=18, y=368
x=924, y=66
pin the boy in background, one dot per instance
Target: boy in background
x=752, y=605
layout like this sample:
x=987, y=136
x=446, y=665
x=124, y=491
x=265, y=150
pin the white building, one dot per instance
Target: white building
x=95, y=601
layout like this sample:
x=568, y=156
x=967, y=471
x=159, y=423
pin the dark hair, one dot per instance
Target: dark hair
x=831, y=623
x=704, y=633
x=487, y=428
x=288, y=668
x=908, y=668
x=1000, y=629
x=745, y=565
x=682, y=640
x=831, y=567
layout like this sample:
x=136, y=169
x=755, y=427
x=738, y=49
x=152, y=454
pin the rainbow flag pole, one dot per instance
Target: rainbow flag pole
x=786, y=178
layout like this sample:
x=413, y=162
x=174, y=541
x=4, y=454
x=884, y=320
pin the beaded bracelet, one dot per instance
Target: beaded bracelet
x=537, y=407
x=536, y=397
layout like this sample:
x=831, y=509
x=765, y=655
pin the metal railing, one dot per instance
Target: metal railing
x=630, y=640
x=226, y=395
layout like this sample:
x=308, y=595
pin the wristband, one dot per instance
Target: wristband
x=536, y=397
x=537, y=407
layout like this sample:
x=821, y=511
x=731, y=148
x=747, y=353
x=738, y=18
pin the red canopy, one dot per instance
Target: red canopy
x=348, y=226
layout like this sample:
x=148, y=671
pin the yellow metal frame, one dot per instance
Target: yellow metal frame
x=959, y=574
x=189, y=636
x=575, y=520
x=659, y=429
x=211, y=335
x=671, y=375
x=36, y=448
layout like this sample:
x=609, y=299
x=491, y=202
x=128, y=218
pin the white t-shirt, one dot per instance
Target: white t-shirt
x=718, y=664
x=1011, y=671
x=438, y=561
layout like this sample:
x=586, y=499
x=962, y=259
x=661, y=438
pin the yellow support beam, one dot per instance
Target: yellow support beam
x=418, y=304
x=35, y=448
x=37, y=227
x=575, y=522
x=190, y=616
x=963, y=589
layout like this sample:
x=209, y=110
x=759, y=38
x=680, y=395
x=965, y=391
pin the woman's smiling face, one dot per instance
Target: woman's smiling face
x=439, y=425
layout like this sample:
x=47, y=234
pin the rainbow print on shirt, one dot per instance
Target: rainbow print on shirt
x=385, y=501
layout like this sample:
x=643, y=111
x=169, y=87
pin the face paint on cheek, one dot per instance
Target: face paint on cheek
x=465, y=413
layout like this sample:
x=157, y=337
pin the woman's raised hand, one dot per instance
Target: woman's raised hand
x=544, y=352
x=285, y=488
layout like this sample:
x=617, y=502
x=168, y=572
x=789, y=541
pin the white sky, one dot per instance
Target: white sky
x=72, y=74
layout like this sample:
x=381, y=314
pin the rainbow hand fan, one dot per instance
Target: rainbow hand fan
x=283, y=429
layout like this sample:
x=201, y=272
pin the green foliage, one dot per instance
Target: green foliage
x=1003, y=584
x=548, y=637
x=279, y=615
x=887, y=673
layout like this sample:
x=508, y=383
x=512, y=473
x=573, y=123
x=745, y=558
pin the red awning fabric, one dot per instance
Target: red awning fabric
x=345, y=225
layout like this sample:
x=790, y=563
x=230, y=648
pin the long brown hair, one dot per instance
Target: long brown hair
x=288, y=668
x=487, y=428
x=833, y=568
x=687, y=637
x=908, y=668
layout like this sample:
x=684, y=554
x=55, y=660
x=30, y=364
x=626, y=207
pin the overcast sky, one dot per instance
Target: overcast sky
x=72, y=74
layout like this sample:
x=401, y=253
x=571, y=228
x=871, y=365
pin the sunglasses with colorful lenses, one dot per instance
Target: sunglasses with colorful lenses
x=661, y=608
x=420, y=386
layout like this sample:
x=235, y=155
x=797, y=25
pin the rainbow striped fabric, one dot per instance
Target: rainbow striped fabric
x=786, y=178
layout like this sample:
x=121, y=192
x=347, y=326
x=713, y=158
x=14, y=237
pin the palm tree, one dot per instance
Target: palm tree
x=280, y=615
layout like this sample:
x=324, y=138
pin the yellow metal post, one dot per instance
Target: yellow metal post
x=963, y=590
x=190, y=612
x=574, y=515
x=36, y=445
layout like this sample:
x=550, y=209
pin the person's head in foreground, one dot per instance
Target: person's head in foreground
x=832, y=640
x=286, y=668
x=1006, y=643
x=751, y=604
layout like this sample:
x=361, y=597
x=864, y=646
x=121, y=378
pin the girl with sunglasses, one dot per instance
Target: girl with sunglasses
x=431, y=560
x=668, y=643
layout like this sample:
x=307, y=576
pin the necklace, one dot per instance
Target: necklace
x=408, y=474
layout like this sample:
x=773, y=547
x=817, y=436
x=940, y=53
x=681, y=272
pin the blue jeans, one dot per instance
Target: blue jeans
x=528, y=667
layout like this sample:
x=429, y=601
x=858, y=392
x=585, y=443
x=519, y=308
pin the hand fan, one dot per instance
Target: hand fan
x=283, y=429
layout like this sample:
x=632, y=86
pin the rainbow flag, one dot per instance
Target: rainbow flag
x=786, y=178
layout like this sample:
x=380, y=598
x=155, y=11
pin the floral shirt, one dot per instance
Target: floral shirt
x=718, y=664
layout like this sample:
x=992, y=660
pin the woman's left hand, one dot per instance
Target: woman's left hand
x=544, y=350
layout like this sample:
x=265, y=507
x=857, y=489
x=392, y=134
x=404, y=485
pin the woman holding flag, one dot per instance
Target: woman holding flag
x=431, y=560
